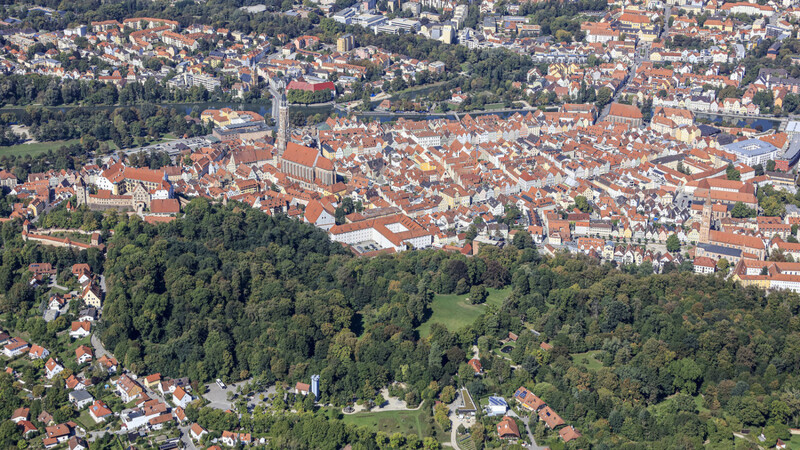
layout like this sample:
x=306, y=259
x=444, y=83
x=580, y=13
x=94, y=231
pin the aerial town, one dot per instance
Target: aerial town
x=644, y=139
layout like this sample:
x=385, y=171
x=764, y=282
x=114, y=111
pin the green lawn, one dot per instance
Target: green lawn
x=794, y=442
x=454, y=312
x=588, y=360
x=34, y=149
x=405, y=422
x=86, y=420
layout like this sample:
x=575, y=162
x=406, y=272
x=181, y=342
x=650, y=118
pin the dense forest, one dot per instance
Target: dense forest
x=306, y=97
x=636, y=360
x=21, y=90
x=230, y=292
x=124, y=127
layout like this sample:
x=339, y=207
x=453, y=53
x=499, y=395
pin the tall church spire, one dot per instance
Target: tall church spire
x=705, y=225
x=283, y=126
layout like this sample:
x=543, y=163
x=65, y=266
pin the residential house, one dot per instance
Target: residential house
x=100, y=411
x=20, y=414
x=80, y=398
x=52, y=368
x=15, y=347
x=83, y=354
x=181, y=398
x=80, y=330
x=507, y=428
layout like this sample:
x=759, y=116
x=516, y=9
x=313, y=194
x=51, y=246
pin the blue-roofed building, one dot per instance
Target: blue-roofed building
x=716, y=252
x=497, y=406
x=753, y=151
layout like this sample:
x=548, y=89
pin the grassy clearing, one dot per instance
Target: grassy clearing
x=34, y=149
x=405, y=422
x=86, y=421
x=588, y=360
x=454, y=312
x=794, y=442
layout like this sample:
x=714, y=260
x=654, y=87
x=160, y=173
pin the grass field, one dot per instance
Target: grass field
x=794, y=442
x=34, y=149
x=42, y=147
x=405, y=422
x=588, y=360
x=86, y=420
x=454, y=312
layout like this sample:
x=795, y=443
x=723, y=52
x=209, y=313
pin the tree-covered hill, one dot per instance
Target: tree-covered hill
x=230, y=292
x=635, y=361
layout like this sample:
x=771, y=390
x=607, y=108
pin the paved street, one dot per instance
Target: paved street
x=99, y=350
x=467, y=421
x=186, y=438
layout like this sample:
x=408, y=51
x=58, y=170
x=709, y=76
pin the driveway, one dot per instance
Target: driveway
x=533, y=445
x=467, y=420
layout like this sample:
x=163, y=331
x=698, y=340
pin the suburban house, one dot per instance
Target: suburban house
x=83, y=354
x=128, y=388
x=197, y=431
x=20, y=414
x=77, y=443
x=507, y=428
x=38, y=352
x=92, y=296
x=52, y=368
x=528, y=400
x=151, y=381
x=302, y=388
x=80, y=398
x=15, y=347
x=475, y=363
x=88, y=315
x=56, y=435
x=80, y=329
x=110, y=364
x=181, y=398
x=28, y=428
x=99, y=411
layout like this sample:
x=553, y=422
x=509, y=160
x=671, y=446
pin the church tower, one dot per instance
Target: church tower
x=81, y=192
x=283, y=127
x=705, y=224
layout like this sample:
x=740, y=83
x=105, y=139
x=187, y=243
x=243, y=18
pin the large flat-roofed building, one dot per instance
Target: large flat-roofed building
x=753, y=151
x=246, y=130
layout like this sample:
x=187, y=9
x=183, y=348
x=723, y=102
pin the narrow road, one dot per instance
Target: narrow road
x=93, y=435
x=186, y=438
x=99, y=350
x=454, y=435
x=534, y=445
x=467, y=421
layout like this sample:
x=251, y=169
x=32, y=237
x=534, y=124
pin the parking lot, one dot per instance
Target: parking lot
x=218, y=397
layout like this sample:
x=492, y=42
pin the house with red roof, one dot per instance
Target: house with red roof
x=507, y=428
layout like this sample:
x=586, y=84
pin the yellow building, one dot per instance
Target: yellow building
x=91, y=296
x=345, y=43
